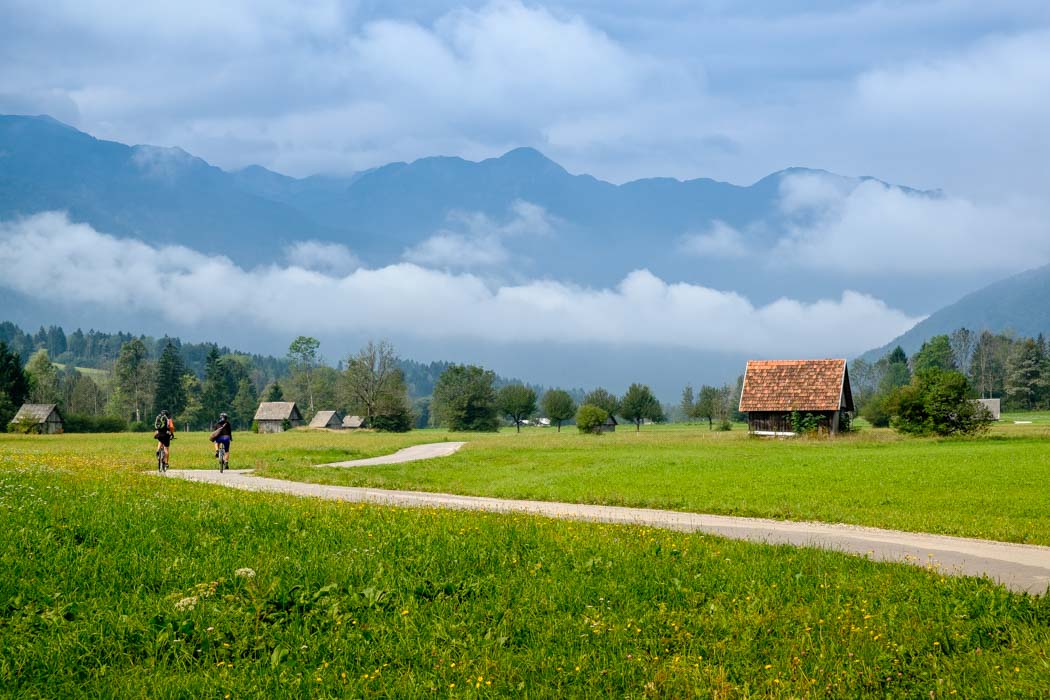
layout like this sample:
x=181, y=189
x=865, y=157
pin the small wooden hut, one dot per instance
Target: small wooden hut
x=275, y=416
x=775, y=389
x=327, y=419
x=609, y=426
x=39, y=417
x=353, y=422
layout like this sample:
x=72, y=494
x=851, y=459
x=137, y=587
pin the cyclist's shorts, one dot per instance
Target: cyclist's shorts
x=224, y=440
x=164, y=438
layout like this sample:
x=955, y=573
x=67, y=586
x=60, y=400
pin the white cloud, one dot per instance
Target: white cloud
x=322, y=256
x=875, y=228
x=456, y=250
x=720, y=241
x=48, y=257
x=479, y=241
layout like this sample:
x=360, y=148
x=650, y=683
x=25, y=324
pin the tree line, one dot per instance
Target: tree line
x=141, y=381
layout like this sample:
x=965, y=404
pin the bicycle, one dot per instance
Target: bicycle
x=162, y=464
x=220, y=453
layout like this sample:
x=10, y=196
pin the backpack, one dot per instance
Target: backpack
x=163, y=425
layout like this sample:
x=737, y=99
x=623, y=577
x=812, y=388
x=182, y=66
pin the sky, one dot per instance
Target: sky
x=949, y=95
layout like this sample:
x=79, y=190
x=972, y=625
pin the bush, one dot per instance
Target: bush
x=806, y=423
x=25, y=425
x=80, y=423
x=255, y=425
x=590, y=418
x=400, y=422
x=139, y=427
x=876, y=411
x=724, y=425
x=937, y=402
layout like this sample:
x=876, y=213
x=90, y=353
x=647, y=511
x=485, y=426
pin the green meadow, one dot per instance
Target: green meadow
x=118, y=583
x=992, y=487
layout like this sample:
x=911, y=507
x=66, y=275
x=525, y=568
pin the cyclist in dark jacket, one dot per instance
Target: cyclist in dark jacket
x=165, y=433
x=223, y=433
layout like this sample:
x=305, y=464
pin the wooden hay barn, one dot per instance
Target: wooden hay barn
x=609, y=426
x=44, y=417
x=273, y=416
x=327, y=419
x=774, y=389
x=353, y=422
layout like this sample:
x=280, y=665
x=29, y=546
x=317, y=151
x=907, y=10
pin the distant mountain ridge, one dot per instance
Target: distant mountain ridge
x=603, y=230
x=1018, y=303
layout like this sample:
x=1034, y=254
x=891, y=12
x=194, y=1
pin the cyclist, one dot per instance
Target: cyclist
x=165, y=433
x=223, y=434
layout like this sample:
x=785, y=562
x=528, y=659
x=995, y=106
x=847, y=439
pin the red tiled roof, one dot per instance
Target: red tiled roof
x=795, y=385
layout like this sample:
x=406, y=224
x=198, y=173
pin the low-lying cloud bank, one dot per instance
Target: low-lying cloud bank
x=48, y=257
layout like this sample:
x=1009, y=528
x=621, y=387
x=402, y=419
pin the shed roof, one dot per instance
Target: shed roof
x=278, y=410
x=796, y=385
x=323, y=419
x=36, y=411
x=353, y=422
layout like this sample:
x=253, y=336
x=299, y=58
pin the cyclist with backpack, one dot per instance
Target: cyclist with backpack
x=164, y=432
x=223, y=434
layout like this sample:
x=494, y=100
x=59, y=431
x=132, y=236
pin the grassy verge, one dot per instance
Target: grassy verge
x=121, y=584
x=992, y=487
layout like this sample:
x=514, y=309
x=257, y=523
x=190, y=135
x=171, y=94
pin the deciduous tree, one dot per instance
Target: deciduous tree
x=464, y=399
x=558, y=406
x=43, y=378
x=603, y=400
x=639, y=404
x=517, y=402
x=374, y=380
x=303, y=357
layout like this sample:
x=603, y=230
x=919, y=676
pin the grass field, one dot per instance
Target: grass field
x=993, y=487
x=117, y=583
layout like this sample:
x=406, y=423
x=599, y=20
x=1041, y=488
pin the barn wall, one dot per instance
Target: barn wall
x=271, y=426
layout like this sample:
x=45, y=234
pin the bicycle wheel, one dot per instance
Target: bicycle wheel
x=222, y=458
x=161, y=467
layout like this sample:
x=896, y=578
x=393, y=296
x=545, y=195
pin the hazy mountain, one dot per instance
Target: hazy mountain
x=575, y=227
x=1017, y=304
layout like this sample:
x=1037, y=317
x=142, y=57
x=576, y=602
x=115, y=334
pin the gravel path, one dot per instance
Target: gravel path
x=1018, y=567
x=408, y=454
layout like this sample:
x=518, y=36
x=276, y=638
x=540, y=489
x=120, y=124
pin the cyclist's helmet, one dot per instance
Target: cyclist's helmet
x=223, y=416
x=164, y=413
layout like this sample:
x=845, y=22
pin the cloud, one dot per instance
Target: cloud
x=721, y=241
x=478, y=241
x=870, y=227
x=321, y=256
x=48, y=257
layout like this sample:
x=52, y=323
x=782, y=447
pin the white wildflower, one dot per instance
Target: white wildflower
x=245, y=573
x=187, y=603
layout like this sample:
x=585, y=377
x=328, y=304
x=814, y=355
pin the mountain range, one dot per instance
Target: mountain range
x=519, y=216
x=540, y=220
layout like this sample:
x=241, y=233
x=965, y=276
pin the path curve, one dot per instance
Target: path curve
x=1024, y=568
x=407, y=454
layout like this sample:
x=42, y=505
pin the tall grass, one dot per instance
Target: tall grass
x=119, y=583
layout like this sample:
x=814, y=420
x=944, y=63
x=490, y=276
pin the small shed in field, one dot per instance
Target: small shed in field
x=353, y=422
x=275, y=416
x=609, y=426
x=327, y=419
x=39, y=417
x=993, y=406
x=774, y=389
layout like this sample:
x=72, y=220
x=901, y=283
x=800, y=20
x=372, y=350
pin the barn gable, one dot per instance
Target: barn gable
x=327, y=419
x=774, y=389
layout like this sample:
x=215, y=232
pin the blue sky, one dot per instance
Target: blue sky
x=949, y=94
